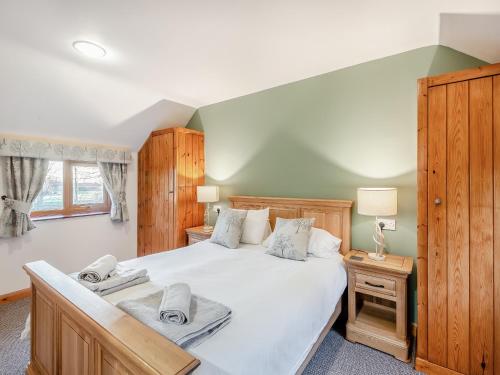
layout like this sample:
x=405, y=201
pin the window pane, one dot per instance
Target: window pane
x=51, y=196
x=87, y=185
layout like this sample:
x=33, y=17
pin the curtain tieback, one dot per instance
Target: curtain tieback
x=19, y=206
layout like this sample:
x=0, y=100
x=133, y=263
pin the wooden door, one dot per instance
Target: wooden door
x=162, y=176
x=437, y=230
x=190, y=164
x=481, y=226
x=457, y=241
x=460, y=256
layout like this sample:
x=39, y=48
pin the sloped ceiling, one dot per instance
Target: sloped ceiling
x=47, y=95
x=165, y=57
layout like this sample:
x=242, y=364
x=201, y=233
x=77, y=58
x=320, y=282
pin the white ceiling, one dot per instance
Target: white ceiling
x=196, y=52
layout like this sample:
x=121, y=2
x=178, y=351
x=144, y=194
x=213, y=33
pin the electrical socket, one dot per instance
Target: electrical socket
x=216, y=207
x=389, y=224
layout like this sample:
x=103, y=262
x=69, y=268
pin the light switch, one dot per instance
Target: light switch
x=389, y=224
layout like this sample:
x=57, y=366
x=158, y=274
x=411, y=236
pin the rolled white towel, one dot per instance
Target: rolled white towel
x=175, y=304
x=99, y=270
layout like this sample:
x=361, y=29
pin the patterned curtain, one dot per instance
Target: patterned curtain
x=22, y=180
x=114, y=177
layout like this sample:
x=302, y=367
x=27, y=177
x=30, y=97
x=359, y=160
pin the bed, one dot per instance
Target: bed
x=77, y=332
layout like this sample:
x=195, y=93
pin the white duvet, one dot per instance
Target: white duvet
x=279, y=306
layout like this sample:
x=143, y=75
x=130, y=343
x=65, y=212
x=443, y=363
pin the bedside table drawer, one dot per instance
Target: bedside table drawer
x=376, y=283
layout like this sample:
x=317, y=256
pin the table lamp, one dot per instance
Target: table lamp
x=207, y=195
x=378, y=202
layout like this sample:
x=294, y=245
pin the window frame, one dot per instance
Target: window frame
x=69, y=209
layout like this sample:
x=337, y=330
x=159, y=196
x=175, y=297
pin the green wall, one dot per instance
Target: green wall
x=325, y=136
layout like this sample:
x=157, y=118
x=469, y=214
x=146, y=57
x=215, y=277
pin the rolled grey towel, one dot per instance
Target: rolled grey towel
x=207, y=318
x=99, y=270
x=175, y=304
x=120, y=278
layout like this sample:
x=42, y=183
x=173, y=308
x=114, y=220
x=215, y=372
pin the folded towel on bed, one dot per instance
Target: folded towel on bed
x=175, y=304
x=207, y=317
x=120, y=278
x=99, y=270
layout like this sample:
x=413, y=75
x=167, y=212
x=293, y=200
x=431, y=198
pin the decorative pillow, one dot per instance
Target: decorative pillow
x=255, y=226
x=291, y=237
x=322, y=244
x=229, y=228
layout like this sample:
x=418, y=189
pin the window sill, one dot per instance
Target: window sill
x=57, y=217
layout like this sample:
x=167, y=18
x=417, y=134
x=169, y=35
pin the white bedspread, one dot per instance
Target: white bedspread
x=279, y=306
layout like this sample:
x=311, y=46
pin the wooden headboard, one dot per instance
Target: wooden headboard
x=331, y=215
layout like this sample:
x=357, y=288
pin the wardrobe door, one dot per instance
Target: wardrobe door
x=180, y=196
x=457, y=193
x=481, y=225
x=190, y=173
x=460, y=233
x=437, y=256
x=496, y=217
x=170, y=189
x=162, y=173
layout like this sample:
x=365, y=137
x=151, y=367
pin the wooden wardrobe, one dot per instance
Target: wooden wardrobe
x=459, y=223
x=171, y=166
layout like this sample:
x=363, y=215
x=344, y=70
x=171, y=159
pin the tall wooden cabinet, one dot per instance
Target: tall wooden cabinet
x=171, y=166
x=459, y=223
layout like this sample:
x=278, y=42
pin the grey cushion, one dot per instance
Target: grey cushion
x=229, y=228
x=291, y=237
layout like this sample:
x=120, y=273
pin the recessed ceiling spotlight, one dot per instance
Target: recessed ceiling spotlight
x=89, y=49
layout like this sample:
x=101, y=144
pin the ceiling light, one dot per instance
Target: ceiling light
x=89, y=49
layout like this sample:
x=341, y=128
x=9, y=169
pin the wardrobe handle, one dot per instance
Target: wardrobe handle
x=437, y=201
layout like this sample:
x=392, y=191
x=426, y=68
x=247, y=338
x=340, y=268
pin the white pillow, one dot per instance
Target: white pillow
x=321, y=244
x=254, y=226
x=269, y=239
x=267, y=232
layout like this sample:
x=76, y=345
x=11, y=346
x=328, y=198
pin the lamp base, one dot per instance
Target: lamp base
x=375, y=256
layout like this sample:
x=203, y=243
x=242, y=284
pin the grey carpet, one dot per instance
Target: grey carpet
x=338, y=356
x=334, y=357
x=14, y=353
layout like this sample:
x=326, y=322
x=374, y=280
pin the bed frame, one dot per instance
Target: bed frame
x=74, y=331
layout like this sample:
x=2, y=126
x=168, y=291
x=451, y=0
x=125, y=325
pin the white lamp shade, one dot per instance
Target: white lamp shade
x=377, y=201
x=207, y=194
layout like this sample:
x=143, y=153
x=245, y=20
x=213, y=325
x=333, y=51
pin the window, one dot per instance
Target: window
x=71, y=189
x=51, y=196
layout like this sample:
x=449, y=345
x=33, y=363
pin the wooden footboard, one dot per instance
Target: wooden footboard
x=74, y=331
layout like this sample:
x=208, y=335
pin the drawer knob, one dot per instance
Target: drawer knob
x=437, y=201
x=374, y=285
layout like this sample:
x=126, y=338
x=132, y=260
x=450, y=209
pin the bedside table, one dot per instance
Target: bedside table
x=377, y=302
x=197, y=234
